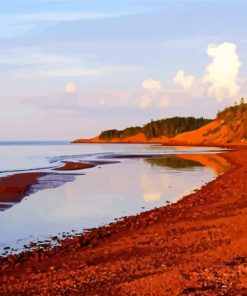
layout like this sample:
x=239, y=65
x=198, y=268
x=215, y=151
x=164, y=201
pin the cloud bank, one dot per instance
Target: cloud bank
x=222, y=73
x=153, y=96
x=152, y=84
x=219, y=81
x=184, y=81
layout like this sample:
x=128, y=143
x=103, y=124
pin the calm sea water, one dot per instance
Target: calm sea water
x=96, y=196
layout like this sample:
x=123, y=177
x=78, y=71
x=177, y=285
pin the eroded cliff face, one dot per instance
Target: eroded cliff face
x=229, y=128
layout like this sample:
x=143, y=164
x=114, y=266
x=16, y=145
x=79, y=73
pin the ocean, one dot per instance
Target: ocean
x=129, y=179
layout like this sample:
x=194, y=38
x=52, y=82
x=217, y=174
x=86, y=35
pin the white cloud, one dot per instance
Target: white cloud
x=184, y=81
x=151, y=84
x=70, y=87
x=222, y=73
x=154, y=96
x=220, y=80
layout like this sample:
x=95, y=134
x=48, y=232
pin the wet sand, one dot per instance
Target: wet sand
x=72, y=166
x=15, y=187
x=196, y=246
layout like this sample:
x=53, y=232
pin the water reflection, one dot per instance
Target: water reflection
x=104, y=193
x=185, y=161
x=213, y=161
x=154, y=186
x=174, y=162
x=159, y=185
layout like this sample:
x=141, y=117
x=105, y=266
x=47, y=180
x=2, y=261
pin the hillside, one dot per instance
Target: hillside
x=228, y=128
x=154, y=131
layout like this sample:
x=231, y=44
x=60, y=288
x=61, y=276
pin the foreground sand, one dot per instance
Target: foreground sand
x=197, y=246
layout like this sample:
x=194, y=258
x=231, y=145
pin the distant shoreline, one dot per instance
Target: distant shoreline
x=227, y=129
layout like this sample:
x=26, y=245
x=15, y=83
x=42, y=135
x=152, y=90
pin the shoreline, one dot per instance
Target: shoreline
x=195, y=233
x=14, y=188
x=168, y=144
x=74, y=166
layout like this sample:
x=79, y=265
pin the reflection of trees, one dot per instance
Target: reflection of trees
x=172, y=161
x=179, y=161
x=213, y=161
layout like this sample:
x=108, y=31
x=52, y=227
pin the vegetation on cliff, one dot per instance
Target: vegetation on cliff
x=169, y=127
x=234, y=112
x=229, y=127
x=233, y=119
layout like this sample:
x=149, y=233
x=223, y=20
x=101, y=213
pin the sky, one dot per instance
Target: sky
x=72, y=68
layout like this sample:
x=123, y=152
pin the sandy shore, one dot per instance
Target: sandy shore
x=15, y=187
x=73, y=166
x=194, y=247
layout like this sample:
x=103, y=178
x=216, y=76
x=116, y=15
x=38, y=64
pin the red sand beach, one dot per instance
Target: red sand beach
x=13, y=188
x=196, y=246
x=73, y=166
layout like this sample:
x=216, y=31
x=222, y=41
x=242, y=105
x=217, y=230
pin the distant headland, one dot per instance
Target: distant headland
x=228, y=128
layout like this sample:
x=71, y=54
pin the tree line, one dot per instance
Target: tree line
x=169, y=127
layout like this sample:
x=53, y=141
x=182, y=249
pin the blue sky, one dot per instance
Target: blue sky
x=70, y=68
